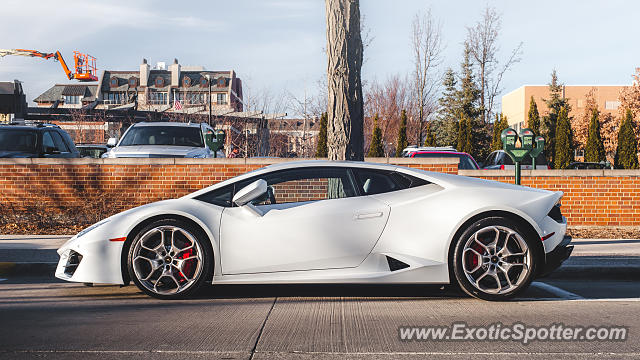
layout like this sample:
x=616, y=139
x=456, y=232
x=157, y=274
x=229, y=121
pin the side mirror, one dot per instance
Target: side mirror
x=250, y=192
x=112, y=142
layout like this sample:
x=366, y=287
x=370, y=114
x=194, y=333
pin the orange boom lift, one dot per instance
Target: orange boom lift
x=84, y=65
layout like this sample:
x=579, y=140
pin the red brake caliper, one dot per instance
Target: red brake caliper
x=472, y=259
x=187, y=269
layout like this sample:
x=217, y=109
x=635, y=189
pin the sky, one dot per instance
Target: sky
x=278, y=46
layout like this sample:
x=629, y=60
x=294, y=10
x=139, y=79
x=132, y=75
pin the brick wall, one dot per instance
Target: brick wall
x=124, y=183
x=592, y=197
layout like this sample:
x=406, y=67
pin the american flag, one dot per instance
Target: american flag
x=177, y=105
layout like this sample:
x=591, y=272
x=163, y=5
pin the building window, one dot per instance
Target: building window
x=221, y=82
x=113, y=82
x=580, y=103
x=71, y=100
x=191, y=98
x=222, y=99
x=611, y=105
x=115, y=98
x=159, y=82
x=157, y=98
x=133, y=82
x=186, y=81
x=203, y=82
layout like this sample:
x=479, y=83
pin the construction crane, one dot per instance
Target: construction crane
x=84, y=65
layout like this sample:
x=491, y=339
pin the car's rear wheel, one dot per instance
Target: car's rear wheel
x=169, y=259
x=495, y=259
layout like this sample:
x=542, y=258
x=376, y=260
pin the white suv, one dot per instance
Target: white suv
x=164, y=139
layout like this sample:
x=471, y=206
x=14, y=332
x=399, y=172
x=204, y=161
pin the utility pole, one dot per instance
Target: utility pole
x=304, y=126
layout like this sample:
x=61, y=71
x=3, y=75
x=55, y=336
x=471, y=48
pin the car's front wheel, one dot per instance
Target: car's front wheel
x=169, y=259
x=495, y=259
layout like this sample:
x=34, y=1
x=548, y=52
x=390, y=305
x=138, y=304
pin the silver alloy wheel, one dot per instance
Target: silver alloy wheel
x=167, y=260
x=496, y=259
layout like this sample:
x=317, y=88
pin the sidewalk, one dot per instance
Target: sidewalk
x=591, y=258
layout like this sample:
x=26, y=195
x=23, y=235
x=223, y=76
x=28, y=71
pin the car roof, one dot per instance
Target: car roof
x=440, y=152
x=166, y=123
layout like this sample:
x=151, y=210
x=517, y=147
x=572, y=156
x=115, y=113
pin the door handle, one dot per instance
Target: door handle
x=368, y=215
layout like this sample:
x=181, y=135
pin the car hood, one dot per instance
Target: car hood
x=155, y=151
x=16, y=154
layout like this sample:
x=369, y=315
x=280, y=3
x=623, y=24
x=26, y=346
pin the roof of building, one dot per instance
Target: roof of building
x=194, y=82
x=57, y=91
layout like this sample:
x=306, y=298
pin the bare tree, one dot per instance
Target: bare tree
x=483, y=43
x=427, y=49
x=345, y=103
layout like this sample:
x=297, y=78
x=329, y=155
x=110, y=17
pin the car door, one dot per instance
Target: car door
x=311, y=219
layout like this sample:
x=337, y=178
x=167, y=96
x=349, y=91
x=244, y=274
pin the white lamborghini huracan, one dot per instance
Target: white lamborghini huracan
x=329, y=222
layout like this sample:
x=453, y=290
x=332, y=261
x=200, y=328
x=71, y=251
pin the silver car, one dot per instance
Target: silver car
x=164, y=140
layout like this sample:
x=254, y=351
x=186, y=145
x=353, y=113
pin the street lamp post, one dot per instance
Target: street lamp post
x=209, y=82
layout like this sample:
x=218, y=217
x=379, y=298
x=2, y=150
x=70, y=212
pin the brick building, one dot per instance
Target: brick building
x=515, y=105
x=153, y=89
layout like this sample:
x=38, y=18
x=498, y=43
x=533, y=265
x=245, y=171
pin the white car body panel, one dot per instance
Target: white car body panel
x=286, y=244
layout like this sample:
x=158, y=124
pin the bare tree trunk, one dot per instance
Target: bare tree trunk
x=344, y=53
x=427, y=47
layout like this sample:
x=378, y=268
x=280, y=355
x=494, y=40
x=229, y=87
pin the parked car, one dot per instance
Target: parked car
x=39, y=141
x=162, y=140
x=406, y=152
x=578, y=165
x=499, y=160
x=92, y=150
x=467, y=162
x=329, y=222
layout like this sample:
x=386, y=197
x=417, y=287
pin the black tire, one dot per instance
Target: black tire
x=523, y=280
x=201, y=274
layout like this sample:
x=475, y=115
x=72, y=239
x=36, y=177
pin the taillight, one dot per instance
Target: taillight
x=548, y=167
x=501, y=167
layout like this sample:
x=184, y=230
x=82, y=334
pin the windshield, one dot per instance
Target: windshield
x=163, y=135
x=466, y=163
x=18, y=140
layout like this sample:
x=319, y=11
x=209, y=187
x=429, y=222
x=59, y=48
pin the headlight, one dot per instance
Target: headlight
x=99, y=223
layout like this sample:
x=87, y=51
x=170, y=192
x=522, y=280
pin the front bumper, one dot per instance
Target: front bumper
x=557, y=256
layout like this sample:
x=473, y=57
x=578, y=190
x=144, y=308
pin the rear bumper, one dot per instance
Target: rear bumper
x=557, y=256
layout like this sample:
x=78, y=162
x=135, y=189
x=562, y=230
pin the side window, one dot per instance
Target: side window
x=57, y=140
x=371, y=182
x=67, y=140
x=308, y=184
x=221, y=197
x=303, y=184
x=47, y=141
x=490, y=159
x=407, y=181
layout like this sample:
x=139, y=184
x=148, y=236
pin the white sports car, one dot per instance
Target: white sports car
x=329, y=222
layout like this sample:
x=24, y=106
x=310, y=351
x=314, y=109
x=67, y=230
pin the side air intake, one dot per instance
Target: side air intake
x=395, y=264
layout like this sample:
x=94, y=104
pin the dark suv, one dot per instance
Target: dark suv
x=39, y=141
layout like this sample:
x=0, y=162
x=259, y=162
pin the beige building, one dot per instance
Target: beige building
x=515, y=105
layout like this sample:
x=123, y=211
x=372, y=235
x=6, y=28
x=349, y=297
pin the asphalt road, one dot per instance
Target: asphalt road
x=44, y=318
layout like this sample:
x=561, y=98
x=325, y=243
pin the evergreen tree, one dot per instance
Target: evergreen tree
x=533, y=122
x=321, y=147
x=627, y=151
x=402, y=141
x=464, y=135
x=594, y=151
x=468, y=105
x=376, y=149
x=563, y=140
x=444, y=125
x=429, y=139
x=549, y=124
x=498, y=126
